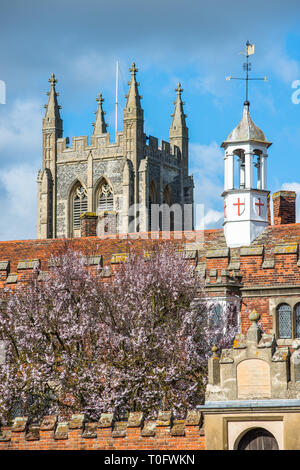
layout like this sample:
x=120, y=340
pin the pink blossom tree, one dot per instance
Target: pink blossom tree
x=78, y=343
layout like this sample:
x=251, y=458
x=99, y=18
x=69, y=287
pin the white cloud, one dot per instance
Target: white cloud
x=18, y=219
x=285, y=68
x=20, y=129
x=96, y=68
x=213, y=218
x=207, y=167
x=20, y=156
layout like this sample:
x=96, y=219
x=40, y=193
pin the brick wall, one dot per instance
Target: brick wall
x=133, y=434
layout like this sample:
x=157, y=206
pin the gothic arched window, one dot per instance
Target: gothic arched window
x=284, y=316
x=167, y=195
x=105, y=198
x=152, y=200
x=168, y=216
x=79, y=205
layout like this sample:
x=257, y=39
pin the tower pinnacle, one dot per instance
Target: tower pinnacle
x=52, y=115
x=178, y=115
x=99, y=125
x=133, y=97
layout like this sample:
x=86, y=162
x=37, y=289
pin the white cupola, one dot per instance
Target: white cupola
x=245, y=182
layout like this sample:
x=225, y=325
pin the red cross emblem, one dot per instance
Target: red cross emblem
x=239, y=204
x=259, y=204
x=225, y=208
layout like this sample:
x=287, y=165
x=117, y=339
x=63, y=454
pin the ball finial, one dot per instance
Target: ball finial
x=254, y=316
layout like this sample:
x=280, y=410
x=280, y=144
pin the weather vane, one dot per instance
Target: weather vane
x=247, y=67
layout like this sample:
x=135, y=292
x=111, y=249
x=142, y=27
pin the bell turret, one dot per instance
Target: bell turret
x=245, y=182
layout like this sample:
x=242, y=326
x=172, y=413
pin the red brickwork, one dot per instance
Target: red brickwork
x=284, y=207
x=88, y=222
x=134, y=434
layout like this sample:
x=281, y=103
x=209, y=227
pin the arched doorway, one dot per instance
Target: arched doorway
x=258, y=439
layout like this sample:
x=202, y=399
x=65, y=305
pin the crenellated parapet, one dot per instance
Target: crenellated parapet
x=135, y=432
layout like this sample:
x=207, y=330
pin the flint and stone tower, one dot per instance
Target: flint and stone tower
x=112, y=181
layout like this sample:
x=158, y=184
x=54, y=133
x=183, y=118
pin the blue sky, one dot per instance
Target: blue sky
x=196, y=43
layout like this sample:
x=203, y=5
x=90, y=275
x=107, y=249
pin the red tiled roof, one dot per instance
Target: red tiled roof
x=21, y=250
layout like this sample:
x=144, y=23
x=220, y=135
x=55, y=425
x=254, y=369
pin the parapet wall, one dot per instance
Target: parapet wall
x=164, y=433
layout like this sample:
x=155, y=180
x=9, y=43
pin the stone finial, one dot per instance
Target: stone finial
x=52, y=115
x=100, y=124
x=178, y=115
x=133, y=97
x=254, y=332
x=178, y=89
x=254, y=316
x=214, y=350
x=133, y=69
x=99, y=99
x=52, y=80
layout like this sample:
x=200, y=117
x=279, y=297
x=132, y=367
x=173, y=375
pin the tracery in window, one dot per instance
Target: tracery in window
x=79, y=205
x=105, y=198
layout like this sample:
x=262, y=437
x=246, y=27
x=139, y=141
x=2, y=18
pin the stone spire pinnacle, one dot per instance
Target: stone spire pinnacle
x=178, y=115
x=133, y=97
x=99, y=125
x=52, y=114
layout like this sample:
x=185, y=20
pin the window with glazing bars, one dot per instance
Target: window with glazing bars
x=79, y=206
x=297, y=320
x=284, y=313
x=106, y=198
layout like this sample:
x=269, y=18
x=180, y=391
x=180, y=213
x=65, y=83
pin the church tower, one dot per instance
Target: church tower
x=93, y=186
x=245, y=182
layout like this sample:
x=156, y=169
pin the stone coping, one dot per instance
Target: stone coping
x=234, y=404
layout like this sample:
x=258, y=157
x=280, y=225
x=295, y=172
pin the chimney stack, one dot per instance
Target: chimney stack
x=284, y=207
x=89, y=221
